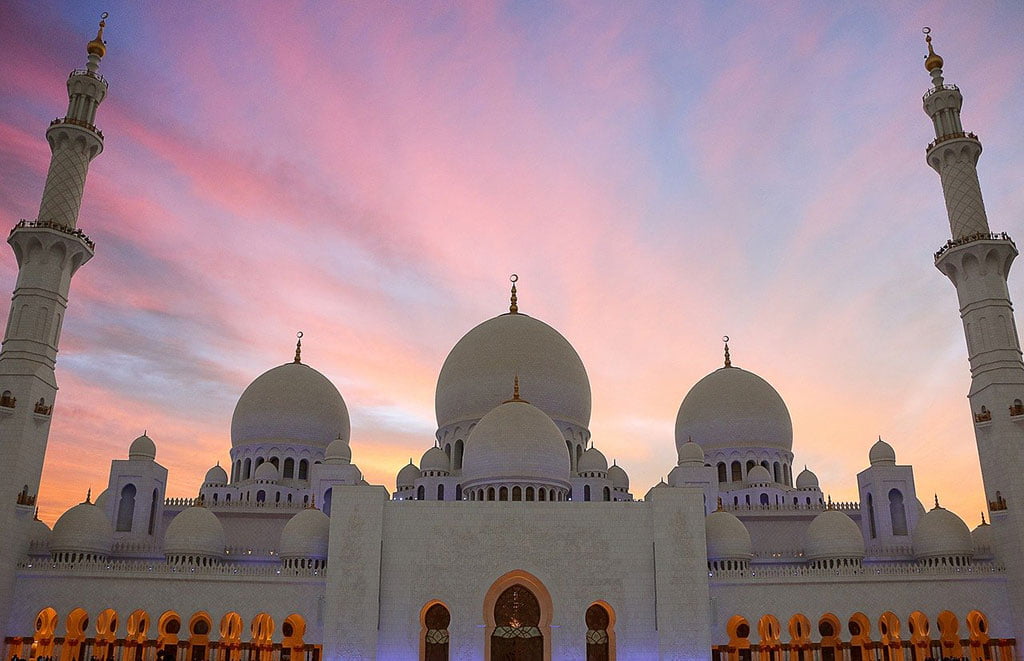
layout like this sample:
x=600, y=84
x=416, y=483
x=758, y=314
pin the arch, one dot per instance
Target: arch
x=723, y=472
x=457, y=456
x=750, y=465
x=126, y=508
x=977, y=635
x=607, y=494
x=777, y=472
x=889, y=629
x=230, y=647
x=529, y=493
x=153, y=506
x=293, y=631
x=434, y=639
x=920, y=636
x=872, y=528
x=135, y=635
x=168, y=627
x=897, y=512
x=490, y=493
x=199, y=627
x=800, y=638
x=533, y=585
x=289, y=468
x=949, y=634
x=787, y=475
x=106, y=635
x=586, y=493
x=421, y=492
x=769, y=631
x=600, y=621
x=247, y=468
x=503, y=493
x=74, y=634
x=440, y=492
x=261, y=496
x=328, y=500
x=262, y=641
x=830, y=645
x=859, y=627
x=763, y=499
x=458, y=492
x=42, y=636
x=738, y=630
x=304, y=469
x=737, y=471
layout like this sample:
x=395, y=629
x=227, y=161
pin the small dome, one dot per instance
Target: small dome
x=759, y=475
x=102, y=499
x=338, y=452
x=83, y=529
x=941, y=533
x=982, y=538
x=690, y=453
x=408, y=475
x=266, y=472
x=516, y=441
x=434, y=459
x=618, y=477
x=292, y=403
x=592, y=461
x=38, y=533
x=727, y=537
x=881, y=453
x=733, y=408
x=216, y=476
x=306, y=535
x=806, y=480
x=833, y=534
x=195, y=531
x=143, y=448
x=476, y=375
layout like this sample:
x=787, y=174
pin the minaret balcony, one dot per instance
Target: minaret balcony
x=940, y=88
x=971, y=238
x=951, y=136
x=77, y=122
x=43, y=224
x=91, y=74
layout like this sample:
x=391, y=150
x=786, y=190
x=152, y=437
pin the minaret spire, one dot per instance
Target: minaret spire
x=728, y=360
x=513, y=307
x=298, y=348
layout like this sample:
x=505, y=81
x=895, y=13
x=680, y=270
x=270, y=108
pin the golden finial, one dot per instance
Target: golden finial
x=514, y=305
x=932, y=61
x=937, y=506
x=298, y=348
x=829, y=506
x=515, y=391
x=728, y=362
x=97, y=46
x=312, y=503
x=88, y=496
x=720, y=507
x=983, y=521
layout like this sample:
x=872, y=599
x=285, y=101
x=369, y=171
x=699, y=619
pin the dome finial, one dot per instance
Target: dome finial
x=298, y=348
x=983, y=521
x=728, y=361
x=312, y=502
x=88, y=496
x=937, y=506
x=514, y=304
x=932, y=60
x=720, y=507
x=97, y=46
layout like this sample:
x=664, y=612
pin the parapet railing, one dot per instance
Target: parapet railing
x=789, y=507
x=45, y=224
x=971, y=238
x=950, y=136
x=997, y=649
x=77, y=122
x=22, y=648
x=91, y=74
x=773, y=571
x=940, y=88
x=164, y=569
x=236, y=504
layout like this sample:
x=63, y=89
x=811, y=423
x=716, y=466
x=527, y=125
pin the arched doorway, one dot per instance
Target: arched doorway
x=600, y=624
x=106, y=635
x=42, y=637
x=199, y=628
x=230, y=648
x=517, y=612
x=436, y=619
x=292, y=631
x=74, y=636
x=135, y=637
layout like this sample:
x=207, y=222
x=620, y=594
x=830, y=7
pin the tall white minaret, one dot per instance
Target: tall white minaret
x=978, y=261
x=49, y=250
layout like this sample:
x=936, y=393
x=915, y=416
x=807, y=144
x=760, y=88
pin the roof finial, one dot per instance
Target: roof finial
x=983, y=521
x=829, y=502
x=720, y=508
x=36, y=515
x=298, y=348
x=728, y=362
x=312, y=502
x=88, y=496
x=932, y=60
x=97, y=46
x=937, y=501
x=514, y=305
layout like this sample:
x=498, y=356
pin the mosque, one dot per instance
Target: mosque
x=513, y=538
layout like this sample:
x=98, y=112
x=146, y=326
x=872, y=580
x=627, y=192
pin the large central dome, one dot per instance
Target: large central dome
x=732, y=408
x=476, y=375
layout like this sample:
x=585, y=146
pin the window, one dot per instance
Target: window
x=152, y=510
x=723, y=474
x=440, y=492
x=897, y=512
x=458, y=492
x=421, y=493
x=328, y=497
x=871, y=517
x=289, y=468
x=457, y=459
x=516, y=631
x=247, y=470
x=586, y=493
x=607, y=494
x=126, y=508
x=737, y=471
x=304, y=469
x=435, y=638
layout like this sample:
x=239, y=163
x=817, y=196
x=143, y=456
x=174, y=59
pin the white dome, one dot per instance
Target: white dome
x=982, y=538
x=806, y=480
x=306, y=535
x=38, y=532
x=690, y=453
x=618, y=477
x=592, y=461
x=195, y=531
x=833, y=534
x=216, y=476
x=84, y=528
x=727, y=537
x=941, y=533
x=434, y=459
x=477, y=374
x=292, y=403
x=338, y=452
x=101, y=500
x=881, y=453
x=408, y=475
x=759, y=475
x=734, y=408
x=516, y=441
x=266, y=472
x=142, y=448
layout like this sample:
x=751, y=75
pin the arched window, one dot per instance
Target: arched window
x=490, y=493
x=276, y=462
x=764, y=499
x=598, y=644
x=542, y=494
x=458, y=492
x=723, y=472
x=435, y=633
x=421, y=493
x=440, y=492
x=328, y=497
x=126, y=508
x=516, y=625
x=737, y=471
x=786, y=475
x=503, y=493
x=289, y=469
x=897, y=512
x=259, y=461
x=261, y=496
x=304, y=469
x=750, y=464
x=517, y=493
x=529, y=493
x=777, y=472
x=872, y=529
x=152, y=510
x=607, y=494
x=247, y=469
x=586, y=492
x=457, y=458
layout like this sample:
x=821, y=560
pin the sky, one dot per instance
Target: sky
x=658, y=175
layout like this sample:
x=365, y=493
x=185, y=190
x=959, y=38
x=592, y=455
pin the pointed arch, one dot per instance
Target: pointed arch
x=977, y=635
x=199, y=627
x=539, y=592
x=45, y=630
x=126, y=508
x=800, y=638
x=859, y=627
x=136, y=637
x=738, y=630
x=949, y=634
x=920, y=636
x=600, y=620
x=168, y=628
x=74, y=634
x=230, y=637
x=435, y=617
x=831, y=644
x=106, y=634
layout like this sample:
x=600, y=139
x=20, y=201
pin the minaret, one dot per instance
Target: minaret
x=977, y=262
x=49, y=251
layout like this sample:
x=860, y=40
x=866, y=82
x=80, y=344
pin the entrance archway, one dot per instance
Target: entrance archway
x=518, y=610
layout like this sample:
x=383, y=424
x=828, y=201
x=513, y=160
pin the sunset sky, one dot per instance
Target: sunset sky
x=658, y=174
